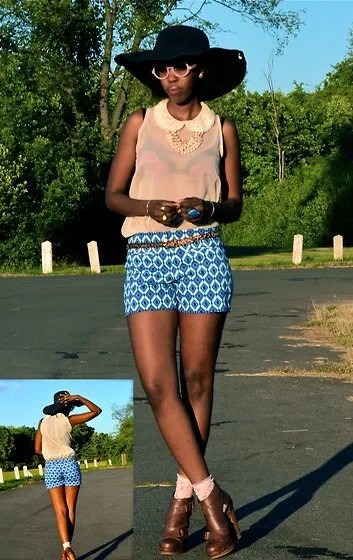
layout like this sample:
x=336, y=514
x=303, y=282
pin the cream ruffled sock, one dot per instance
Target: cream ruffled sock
x=183, y=488
x=66, y=545
x=204, y=488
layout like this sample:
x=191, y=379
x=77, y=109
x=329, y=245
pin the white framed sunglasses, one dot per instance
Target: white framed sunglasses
x=179, y=69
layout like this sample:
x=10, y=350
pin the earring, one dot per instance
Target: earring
x=201, y=75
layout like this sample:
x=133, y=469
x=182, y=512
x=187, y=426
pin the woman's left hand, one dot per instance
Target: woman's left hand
x=193, y=203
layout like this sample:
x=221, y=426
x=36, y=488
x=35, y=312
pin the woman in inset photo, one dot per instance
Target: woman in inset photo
x=176, y=178
x=62, y=471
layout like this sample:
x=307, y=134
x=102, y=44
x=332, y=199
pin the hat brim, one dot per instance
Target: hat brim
x=55, y=408
x=224, y=70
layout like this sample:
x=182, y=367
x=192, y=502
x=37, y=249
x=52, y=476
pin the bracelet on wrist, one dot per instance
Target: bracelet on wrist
x=216, y=209
x=147, y=205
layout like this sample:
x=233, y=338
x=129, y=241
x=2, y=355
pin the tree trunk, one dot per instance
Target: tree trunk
x=110, y=14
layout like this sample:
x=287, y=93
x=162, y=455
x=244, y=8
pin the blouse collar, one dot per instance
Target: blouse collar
x=201, y=123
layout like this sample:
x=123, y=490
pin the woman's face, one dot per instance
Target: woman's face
x=181, y=90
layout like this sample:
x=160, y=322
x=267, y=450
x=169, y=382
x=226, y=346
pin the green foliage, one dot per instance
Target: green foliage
x=61, y=114
x=309, y=203
x=6, y=447
x=124, y=433
x=81, y=436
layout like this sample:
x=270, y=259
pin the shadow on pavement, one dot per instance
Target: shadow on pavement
x=315, y=552
x=302, y=491
x=103, y=551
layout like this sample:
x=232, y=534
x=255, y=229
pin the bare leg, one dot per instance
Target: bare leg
x=71, y=495
x=63, y=522
x=153, y=337
x=200, y=336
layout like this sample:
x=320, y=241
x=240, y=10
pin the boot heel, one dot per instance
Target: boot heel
x=234, y=521
x=219, y=515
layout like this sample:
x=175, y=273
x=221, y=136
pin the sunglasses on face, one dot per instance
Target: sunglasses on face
x=179, y=69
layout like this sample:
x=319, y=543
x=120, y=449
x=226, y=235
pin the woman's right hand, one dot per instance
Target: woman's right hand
x=162, y=211
x=66, y=399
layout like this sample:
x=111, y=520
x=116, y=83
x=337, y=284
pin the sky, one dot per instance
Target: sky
x=22, y=400
x=321, y=43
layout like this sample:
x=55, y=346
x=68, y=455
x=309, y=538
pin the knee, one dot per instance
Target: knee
x=199, y=384
x=62, y=511
x=159, y=394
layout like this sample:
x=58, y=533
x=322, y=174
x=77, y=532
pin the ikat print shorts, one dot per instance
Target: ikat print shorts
x=62, y=472
x=192, y=278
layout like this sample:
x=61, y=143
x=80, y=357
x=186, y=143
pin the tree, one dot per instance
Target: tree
x=63, y=104
x=6, y=447
x=124, y=430
x=81, y=436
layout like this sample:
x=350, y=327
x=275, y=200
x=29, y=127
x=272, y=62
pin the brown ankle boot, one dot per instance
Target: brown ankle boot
x=221, y=523
x=176, y=526
x=69, y=554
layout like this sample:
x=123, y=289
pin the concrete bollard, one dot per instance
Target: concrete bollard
x=17, y=473
x=123, y=459
x=86, y=463
x=1, y=476
x=47, y=257
x=110, y=462
x=40, y=469
x=95, y=462
x=26, y=472
x=297, y=249
x=93, y=256
x=338, y=247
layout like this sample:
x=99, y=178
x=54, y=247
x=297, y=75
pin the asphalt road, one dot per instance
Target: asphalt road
x=55, y=327
x=281, y=446
x=104, y=520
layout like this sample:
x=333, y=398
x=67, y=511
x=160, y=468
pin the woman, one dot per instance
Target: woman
x=62, y=471
x=180, y=158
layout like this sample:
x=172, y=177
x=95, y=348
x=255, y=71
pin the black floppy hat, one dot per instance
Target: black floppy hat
x=59, y=406
x=224, y=68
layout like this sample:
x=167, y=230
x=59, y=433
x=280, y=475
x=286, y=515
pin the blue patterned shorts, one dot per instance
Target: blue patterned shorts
x=192, y=278
x=62, y=472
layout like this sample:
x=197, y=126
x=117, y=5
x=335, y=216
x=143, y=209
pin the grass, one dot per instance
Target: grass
x=334, y=324
x=240, y=257
x=251, y=257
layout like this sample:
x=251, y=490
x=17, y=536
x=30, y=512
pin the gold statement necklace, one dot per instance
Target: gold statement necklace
x=198, y=126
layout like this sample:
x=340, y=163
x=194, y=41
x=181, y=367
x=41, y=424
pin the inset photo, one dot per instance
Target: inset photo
x=66, y=480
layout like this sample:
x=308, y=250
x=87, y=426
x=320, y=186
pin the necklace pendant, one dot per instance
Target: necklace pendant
x=184, y=146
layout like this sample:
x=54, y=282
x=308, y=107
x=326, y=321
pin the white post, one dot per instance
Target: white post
x=86, y=463
x=17, y=473
x=94, y=257
x=95, y=462
x=123, y=459
x=40, y=469
x=338, y=247
x=1, y=476
x=47, y=257
x=297, y=249
x=26, y=472
x=110, y=462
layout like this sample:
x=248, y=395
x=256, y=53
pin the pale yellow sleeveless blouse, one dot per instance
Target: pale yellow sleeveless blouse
x=56, y=437
x=163, y=173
